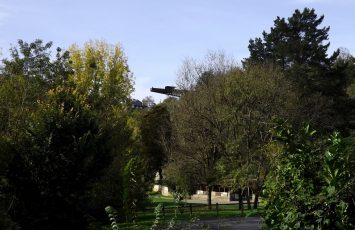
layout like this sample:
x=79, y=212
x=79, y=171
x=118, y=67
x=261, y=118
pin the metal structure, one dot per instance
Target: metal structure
x=168, y=90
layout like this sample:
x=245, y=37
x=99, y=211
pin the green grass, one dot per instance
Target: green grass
x=146, y=217
x=157, y=199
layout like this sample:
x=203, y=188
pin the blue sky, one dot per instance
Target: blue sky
x=157, y=35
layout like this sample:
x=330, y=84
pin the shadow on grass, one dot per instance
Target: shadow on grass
x=185, y=212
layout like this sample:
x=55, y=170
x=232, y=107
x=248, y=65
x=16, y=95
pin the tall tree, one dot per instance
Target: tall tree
x=34, y=60
x=54, y=123
x=155, y=126
x=299, y=46
x=197, y=133
x=25, y=78
x=101, y=72
x=54, y=161
x=197, y=126
x=253, y=98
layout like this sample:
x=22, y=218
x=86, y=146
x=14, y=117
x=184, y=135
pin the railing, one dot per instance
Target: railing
x=198, y=209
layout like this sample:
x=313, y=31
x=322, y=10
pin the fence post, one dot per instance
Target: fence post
x=190, y=209
x=217, y=208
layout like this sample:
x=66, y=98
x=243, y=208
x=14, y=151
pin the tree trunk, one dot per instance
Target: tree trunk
x=256, y=199
x=209, y=197
x=160, y=172
x=248, y=199
x=240, y=199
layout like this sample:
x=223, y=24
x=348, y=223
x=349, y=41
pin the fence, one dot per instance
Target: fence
x=199, y=209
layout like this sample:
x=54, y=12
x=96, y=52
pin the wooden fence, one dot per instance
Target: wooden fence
x=192, y=209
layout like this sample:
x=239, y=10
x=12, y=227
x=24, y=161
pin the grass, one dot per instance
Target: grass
x=183, y=213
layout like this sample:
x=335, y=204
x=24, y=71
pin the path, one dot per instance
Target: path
x=238, y=223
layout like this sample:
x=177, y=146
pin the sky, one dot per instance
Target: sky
x=157, y=35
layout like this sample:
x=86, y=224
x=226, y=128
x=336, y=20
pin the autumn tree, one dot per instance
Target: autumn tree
x=65, y=138
x=101, y=72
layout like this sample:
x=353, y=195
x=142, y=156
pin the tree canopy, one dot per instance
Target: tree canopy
x=101, y=72
x=72, y=143
x=299, y=45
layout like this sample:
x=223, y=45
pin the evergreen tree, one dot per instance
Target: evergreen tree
x=53, y=162
x=155, y=128
x=299, y=45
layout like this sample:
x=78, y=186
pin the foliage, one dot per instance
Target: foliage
x=221, y=127
x=112, y=215
x=25, y=78
x=309, y=189
x=54, y=161
x=134, y=188
x=161, y=224
x=197, y=127
x=33, y=60
x=299, y=46
x=158, y=217
x=155, y=130
x=63, y=149
x=101, y=72
x=302, y=41
x=252, y=98
x=148, y=102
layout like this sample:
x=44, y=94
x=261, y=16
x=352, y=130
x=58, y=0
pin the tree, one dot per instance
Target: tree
x=102, y=74
x=320, y=193
x=63, y=149
x=155, y=127
x=25, y=79
x=347, y=61
x=148, y=102
x=196, y=136
x=299, y=46
x=295, y=42
x=221, y=126
x=33, y=60
x=54, y=161
x=252, y=99
x=134, y=187
x=196, y=125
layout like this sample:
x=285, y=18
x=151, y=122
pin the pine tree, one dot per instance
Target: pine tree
x=299, y=46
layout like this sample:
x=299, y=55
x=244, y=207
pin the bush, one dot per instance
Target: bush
x=312, y=187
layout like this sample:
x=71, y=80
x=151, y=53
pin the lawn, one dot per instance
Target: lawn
x=184, y=212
